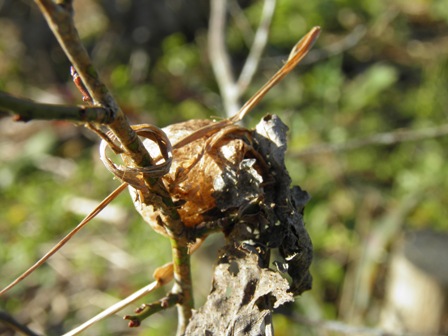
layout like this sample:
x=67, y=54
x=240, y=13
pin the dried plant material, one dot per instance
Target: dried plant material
x=220, y=176
x=238, y=175
x=242, y=297
x=210, y=157
x=245, y=289
x=201, y=168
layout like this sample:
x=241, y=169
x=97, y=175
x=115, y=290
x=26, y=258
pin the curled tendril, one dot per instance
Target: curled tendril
x=132, y=175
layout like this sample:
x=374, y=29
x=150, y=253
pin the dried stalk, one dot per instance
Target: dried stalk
x=69, y=236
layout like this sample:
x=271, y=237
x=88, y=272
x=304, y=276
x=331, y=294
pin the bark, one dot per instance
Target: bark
x=245, y=289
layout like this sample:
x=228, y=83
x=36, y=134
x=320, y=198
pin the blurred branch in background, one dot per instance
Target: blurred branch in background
x=11, y=324
x=366, y=258
x=385, y=139
x=26, y=110
x=231, y=90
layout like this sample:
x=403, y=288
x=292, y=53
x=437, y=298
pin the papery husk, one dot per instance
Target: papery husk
x=205, y=174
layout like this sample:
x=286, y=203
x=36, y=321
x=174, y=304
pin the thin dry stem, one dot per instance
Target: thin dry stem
x=297, y=54
x=115, y=308
x=26, y=109
x=69, y=236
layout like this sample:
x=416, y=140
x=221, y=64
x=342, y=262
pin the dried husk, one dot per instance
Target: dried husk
x=235, y=179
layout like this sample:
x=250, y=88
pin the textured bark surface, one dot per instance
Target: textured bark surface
x=245, y=289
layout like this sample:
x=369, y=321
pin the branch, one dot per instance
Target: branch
x=182, y=283
x=163, y=275
x=258, y=45
x=146, y=310
x=26, y=110
x=116, y=307
x=386, y=139
x=60, y=20
x=232, y=90
x=8, y=320
x=151, y=189
x=219, y=57
x=64, y=240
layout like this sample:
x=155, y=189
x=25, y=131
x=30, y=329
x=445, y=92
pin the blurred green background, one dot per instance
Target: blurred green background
x=378, y=66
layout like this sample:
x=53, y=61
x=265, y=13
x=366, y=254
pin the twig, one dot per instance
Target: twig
x=26, y=109
x=15, y=325
x=146, y=310
x=219, y=57
x=241, y=22
x=60, y=20
x=163, y=275
x=297, y=54
x=231, y=89
x=385, y=139
x=258, y=45
x=64, y=240
x=116, y=307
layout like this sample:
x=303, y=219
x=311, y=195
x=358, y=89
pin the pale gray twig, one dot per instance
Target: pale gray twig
x=258, y=45
x=115, y=308
x=388, y=138
x=219, y=56
x=231, y=89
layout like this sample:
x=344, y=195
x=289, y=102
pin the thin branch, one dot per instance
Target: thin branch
x=116, y=307
x=232, y=90
x=146, y=310
x=219, y=57
x=60, y=20
x=12, y=323
x=385, y=139
x=135, y=154
x=298, y=52
x=64, y=240
x=258, y=45
x=26, y=109
x=241, y=22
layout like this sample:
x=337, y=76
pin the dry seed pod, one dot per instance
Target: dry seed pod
x=206, y=173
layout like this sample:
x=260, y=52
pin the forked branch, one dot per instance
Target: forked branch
x=232, y=89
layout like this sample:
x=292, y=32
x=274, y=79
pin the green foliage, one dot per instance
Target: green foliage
x=394, y=77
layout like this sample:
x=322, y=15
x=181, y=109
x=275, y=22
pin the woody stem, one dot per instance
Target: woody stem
x=182, y=282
